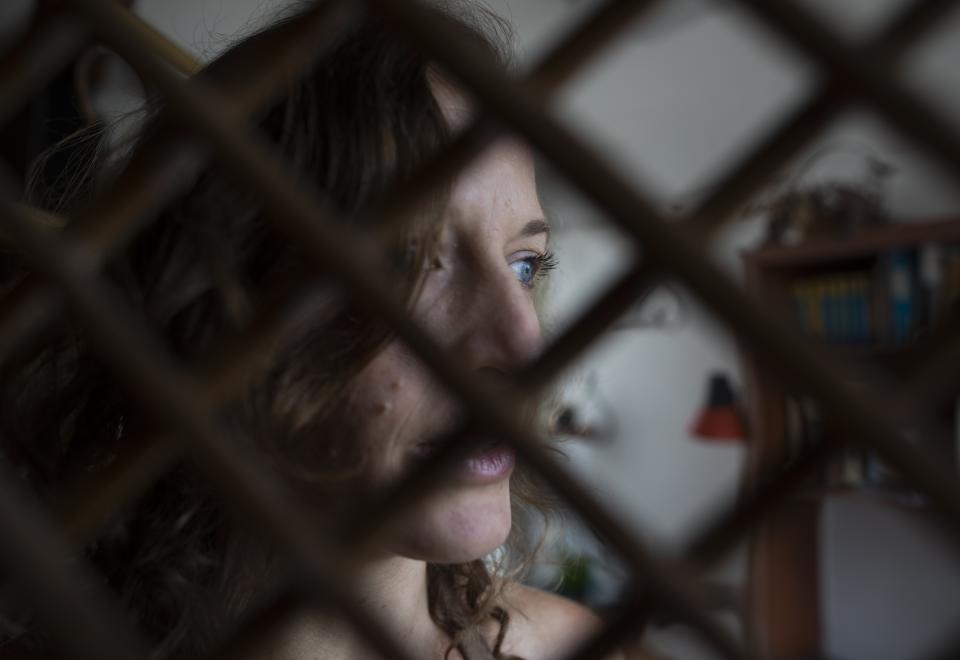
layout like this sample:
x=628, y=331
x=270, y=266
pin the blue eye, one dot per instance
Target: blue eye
x=529, y=269
x=525, y=270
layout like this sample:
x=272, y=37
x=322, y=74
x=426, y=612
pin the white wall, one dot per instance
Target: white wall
x=890, y=591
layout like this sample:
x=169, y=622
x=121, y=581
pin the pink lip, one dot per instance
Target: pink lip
x=489, y=465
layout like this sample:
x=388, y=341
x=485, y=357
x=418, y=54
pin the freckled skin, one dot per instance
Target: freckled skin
x=476, y=309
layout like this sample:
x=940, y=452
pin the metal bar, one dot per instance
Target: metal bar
x=710, y=544
x=822, y=102
x=803, y=124
x=617, y=299
x=69, y=601
x=34, y=62
x=93, y=499
x=671, y=586
x=777, y=147
x=721, y=534
x=361, y=526
x=585, y=41
x=864, y=76
x=724, y=531
x=153, y=175
x=947, y=651
x=254, y=163
x=156, y=173
x=665, y=583
x=609, y=18
x=233, y=368
x=631, y=289
x=89, y=503
x=911, y=23
x=158, y=382
x=161, y=167
x=938, y=358
x=671, y=251
x=24, y=311
x=606, y=642
x=239, y=363
x=180, y=60
x=259, y=72
x=792, y=133
x=166, y=162
x=893, y=40
x=243, y=642
x=571, y=353
x=85, y=506
x=861, y=414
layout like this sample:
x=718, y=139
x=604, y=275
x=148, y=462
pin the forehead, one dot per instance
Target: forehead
x=501, y=179
x=499, y=185
x=505, y=168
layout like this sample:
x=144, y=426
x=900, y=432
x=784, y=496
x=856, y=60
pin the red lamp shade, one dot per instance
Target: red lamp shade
x=720, y=419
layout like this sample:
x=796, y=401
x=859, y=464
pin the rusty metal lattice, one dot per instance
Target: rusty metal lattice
x=87, y=622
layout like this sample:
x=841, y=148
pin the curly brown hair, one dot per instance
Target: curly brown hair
x=359, y=125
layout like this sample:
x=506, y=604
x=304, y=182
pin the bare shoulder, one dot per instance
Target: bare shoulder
x=544, y=625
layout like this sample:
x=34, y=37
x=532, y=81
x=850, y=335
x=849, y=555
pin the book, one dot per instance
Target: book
x=901, y=289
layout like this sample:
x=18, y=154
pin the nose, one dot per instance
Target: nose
x=505, y=333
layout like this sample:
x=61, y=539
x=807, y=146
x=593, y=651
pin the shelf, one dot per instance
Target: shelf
x=902, y=499
x=783, y=558
x=893, y=359
x=861, y=245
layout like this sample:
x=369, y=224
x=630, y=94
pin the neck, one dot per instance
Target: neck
x=393, y=590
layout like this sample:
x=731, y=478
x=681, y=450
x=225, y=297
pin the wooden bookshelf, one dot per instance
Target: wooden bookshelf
x=867, y=243
x=783, y=599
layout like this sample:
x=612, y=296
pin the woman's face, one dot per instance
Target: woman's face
x=477, y=303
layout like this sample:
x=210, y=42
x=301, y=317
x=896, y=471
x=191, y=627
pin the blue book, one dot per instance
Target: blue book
x=902, y=275
x=862, y=307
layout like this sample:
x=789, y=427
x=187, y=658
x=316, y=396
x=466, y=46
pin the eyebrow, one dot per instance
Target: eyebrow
x=534, y=228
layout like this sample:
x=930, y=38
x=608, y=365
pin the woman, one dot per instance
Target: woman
x=345, y=409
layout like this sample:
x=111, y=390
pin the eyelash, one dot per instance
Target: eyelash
x=543, y=262
x=546, y=261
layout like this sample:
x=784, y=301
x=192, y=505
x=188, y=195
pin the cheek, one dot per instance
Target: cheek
x=393, y=406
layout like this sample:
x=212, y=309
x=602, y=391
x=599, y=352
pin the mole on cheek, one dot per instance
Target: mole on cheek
x=395, y=385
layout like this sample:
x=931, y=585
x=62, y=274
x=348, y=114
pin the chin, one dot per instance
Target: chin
x=457, y=525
